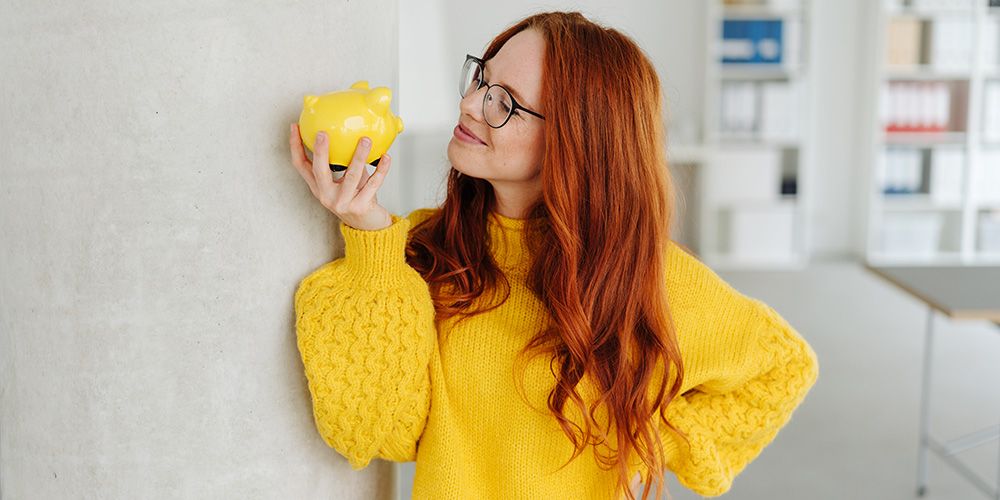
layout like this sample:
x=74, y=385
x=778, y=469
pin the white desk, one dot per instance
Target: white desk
x=959, y=292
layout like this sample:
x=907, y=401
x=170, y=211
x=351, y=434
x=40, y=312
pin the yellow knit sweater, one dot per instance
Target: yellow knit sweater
x=386, y=384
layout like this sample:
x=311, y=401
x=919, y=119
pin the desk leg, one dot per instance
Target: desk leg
x=924, y=406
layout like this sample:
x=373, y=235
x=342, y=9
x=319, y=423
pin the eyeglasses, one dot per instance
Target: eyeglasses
x=498, y=103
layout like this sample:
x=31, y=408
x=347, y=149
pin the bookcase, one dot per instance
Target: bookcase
x=755, y=153
x=932, y=137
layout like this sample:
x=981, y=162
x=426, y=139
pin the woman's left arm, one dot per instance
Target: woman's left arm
x=762, y=373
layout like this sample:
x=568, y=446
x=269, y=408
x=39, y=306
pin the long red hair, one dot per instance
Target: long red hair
x=605, y=217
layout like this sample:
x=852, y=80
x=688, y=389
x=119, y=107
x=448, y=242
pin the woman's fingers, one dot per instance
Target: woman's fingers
x=299, y=160
x=375, y=180
x=328, y=189
x=356, y=170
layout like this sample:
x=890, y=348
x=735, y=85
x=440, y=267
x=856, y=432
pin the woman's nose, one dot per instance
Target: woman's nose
x=472, y=104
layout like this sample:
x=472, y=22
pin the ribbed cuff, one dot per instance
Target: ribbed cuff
x=378, y=256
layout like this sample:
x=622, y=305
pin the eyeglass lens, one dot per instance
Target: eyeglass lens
x=497, y=103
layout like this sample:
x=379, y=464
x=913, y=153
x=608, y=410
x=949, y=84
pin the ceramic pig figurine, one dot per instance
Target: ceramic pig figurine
x=346, y=116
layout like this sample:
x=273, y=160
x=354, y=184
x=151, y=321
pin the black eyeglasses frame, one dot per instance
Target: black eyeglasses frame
x=514, y=104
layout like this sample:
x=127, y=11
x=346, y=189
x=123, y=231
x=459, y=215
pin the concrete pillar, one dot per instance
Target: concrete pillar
x=152, y=234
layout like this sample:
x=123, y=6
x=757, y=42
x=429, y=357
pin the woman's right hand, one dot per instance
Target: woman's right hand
x=352, y=196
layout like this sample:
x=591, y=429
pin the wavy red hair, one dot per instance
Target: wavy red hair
x=605, y=218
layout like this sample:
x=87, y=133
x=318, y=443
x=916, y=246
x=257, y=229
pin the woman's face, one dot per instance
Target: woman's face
x=512, y=154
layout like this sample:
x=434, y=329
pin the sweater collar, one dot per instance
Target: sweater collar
x=507, y=242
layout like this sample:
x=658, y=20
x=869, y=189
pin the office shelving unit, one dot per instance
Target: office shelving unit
x=949, y=208
x=752, y=210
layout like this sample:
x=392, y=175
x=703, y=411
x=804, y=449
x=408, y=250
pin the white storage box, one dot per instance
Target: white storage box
x=737, y=174
x=989, y=232
x=911, y=234
x=987, y=184
x=763, y=233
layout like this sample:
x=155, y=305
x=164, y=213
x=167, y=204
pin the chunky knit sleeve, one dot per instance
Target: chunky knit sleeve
x=753, y=374
x=365, y=331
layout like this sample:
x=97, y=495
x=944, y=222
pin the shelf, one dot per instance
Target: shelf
x=758, y=151
x=915, y=202
x=736, y=141
x=783, y=201
x=919, y=228
x=759, y=71
x=923, y=138
x=924, y=72
x=910, y=12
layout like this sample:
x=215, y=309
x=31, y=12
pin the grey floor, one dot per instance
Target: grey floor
x=855, y=436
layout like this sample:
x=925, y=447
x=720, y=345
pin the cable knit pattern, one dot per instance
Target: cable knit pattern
x=387, y=383
x=728, y=427
x=365, y=328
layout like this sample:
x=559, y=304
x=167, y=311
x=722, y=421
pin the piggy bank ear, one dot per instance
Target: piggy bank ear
x=378, y=100
x=360, y=85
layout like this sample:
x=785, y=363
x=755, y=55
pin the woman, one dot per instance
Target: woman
x=514, y=341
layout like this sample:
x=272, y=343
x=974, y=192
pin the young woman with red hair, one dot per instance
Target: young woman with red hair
x=539, y=335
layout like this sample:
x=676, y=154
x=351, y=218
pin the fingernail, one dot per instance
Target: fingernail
x=366, y=141
x=320, y=136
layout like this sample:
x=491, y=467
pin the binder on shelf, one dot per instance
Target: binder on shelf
x=779, y=106
x=760, y=110
x=912, y=106
x=738, y=108
x=751, y=41
x=947, y=167
x=902, y=171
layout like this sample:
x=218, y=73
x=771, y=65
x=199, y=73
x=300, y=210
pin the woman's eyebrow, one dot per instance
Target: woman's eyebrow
x=517, y=95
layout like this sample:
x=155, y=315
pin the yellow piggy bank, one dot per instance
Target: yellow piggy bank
x=346, y=116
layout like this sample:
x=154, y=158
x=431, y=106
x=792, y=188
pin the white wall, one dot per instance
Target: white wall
x=672, y=33
x=153, y=232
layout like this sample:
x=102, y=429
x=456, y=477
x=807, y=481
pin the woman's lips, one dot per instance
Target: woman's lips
x=463, y=135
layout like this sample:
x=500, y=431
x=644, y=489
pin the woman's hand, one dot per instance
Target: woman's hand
x=352, y=196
